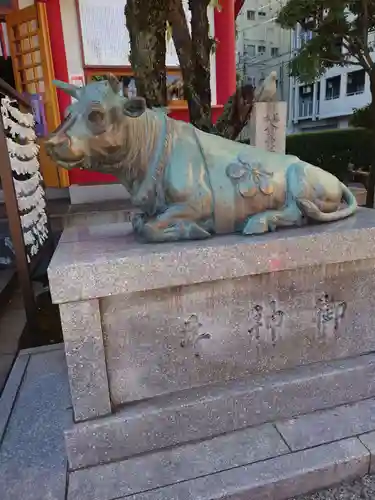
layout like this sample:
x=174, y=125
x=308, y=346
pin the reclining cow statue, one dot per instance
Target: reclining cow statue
x=189, y=184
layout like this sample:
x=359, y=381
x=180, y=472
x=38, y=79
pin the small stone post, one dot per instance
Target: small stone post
x=268, y=126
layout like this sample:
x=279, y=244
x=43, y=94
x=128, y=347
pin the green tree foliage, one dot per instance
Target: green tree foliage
x=341, y=36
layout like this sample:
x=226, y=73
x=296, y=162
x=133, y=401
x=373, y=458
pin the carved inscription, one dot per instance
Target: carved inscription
x=269, y=318
x=329, y=313
x=193, y=335
x=272, y=120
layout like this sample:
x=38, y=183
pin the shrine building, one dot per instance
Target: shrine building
x=81, y=40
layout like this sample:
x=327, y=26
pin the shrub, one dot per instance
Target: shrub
x=361, y=117
x=333, y=150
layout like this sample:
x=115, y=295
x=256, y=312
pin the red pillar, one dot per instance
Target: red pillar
x=225, y=35
x=56, y=36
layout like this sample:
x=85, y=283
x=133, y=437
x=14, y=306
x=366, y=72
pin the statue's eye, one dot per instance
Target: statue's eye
x=96, y=117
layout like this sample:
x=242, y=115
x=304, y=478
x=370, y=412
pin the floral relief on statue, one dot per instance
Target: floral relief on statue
x=250, y=177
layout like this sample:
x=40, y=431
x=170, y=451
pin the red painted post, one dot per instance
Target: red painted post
x=56, y=36
x=225, y=35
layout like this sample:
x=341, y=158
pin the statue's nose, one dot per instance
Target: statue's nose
x=57, y=140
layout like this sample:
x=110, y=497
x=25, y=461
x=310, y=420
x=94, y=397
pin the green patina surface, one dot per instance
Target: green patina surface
x=187, y=183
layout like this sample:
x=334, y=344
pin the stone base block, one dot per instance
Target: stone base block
x=169, y=344
x=233, y=467
x=195, y=415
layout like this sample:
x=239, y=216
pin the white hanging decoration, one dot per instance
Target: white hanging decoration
x=24, y=161
x=28, y=186
x=29, y=201
x=26, y=151
x=32, y=217
x=25, y=119
x=15, y=129
x=22, y=167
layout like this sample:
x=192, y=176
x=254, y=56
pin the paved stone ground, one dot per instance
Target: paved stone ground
x=360, y=489
x=35, y=409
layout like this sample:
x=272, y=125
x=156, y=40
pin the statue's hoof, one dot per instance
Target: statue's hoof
x=138, y=222
x=255, y=226
x=175, y=231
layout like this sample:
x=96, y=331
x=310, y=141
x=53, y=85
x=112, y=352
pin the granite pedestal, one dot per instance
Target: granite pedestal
x=172, y=343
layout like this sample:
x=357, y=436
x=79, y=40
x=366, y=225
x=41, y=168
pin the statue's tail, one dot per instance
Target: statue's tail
x=312, y=210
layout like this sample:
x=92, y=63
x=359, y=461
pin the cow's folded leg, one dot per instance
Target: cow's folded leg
x=176, y=230
x=138, y=221
x=272, y=219
x=176, y=223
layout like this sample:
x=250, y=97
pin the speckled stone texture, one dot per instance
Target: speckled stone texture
x=103, y=261
x=159, y=322
x=306, y=302
x=357, y=489
x=206, y=412
x=177, y=464
x=149, y=352
x=32, y=456
x=330, y=425
x=85, y=357
x=253, y=463
x=277, y=479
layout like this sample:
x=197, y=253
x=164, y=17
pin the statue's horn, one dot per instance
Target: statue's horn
x=114, y=82
x=69, y=88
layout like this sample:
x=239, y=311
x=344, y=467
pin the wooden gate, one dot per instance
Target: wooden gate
x=33, y=73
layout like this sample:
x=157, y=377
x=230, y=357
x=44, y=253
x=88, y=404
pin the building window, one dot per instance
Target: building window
x=261, y=13
x=274, y=51
x=356, y=82
x=305, y=103
x=250, y=50
x=333, y=87
x=261, y=49
x=251, y=15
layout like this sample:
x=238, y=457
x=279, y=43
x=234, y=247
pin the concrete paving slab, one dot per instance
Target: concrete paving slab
x=276, y=479
x=8, y=396
x=32, y=454
x=179, y=464
x=328, y=425
x=369, y=441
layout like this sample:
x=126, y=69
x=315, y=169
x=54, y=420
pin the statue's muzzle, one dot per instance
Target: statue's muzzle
x=59, y=148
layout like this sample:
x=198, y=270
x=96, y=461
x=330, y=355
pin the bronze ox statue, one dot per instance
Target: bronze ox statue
x=190, y=184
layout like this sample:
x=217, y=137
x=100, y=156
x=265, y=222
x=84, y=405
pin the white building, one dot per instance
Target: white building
x=262, y=45
x=329, y=102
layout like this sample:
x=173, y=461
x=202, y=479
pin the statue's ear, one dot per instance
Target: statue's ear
x=69, y=88
x=134, y=107
x=114, y=83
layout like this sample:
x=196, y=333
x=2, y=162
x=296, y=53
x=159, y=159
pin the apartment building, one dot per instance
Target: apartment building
x=262, y=46
x=329, y=102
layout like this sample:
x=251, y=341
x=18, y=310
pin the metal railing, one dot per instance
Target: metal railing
x=305, y=108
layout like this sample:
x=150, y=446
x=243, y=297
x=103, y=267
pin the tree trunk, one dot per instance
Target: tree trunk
x=184, y=48
x=236, y=113
x=194, y=57
x=371, y=177
x=146, y=23
x=201, y=50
